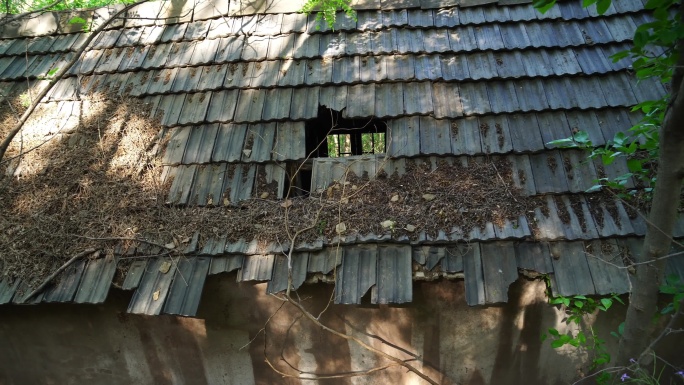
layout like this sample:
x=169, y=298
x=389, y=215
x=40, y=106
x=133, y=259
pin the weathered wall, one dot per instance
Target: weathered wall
x=66, y=344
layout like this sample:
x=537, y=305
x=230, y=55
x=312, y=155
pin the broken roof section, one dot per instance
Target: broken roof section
x=235, y=83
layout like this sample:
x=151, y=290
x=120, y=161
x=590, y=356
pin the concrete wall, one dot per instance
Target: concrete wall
x=240, y=325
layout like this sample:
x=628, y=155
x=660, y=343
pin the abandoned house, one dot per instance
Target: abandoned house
x=394, y=171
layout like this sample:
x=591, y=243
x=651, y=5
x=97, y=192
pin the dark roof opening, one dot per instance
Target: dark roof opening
x=331, y=135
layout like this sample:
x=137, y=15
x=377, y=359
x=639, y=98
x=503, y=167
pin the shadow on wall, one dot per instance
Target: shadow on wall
x=241, y=326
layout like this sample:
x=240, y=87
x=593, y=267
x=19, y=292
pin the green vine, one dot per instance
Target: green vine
x=653, y=55
x=327, y=10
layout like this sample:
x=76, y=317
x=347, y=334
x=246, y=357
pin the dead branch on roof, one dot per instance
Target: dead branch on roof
x=56, y=273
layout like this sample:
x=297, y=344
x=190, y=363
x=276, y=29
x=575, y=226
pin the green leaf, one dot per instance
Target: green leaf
x=634, y=165
x=554, y=332
x=579, y=304
x=594, y=188
x=602, y=6
x=581, y=137
x=607, y=303
x=543, y=6
x=557, y=344
x=582, y=338
x=563, y=143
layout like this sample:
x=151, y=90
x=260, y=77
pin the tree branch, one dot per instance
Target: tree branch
x=56, y=273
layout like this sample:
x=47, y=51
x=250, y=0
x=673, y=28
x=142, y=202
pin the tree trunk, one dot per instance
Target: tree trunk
x=643, y=299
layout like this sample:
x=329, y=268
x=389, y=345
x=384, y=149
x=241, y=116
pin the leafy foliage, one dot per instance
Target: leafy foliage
x=653, y=55
x=326, y=10
x=575, y=308
x=21, y=6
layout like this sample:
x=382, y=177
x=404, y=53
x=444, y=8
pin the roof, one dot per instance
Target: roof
x=456, y=82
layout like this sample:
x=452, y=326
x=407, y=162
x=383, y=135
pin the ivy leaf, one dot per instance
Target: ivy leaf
x=634, y=165
x=594, y=188
x=602, y=6
x=607, y=303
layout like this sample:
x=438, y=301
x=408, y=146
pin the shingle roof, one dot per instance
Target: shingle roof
x=452, y=79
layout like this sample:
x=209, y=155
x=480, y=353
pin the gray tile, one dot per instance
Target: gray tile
x=225, y=264
x=179, y=193
x=369, y=20
x=306, y=46
x=384, y=41
x=279, y=281
x=360, y=101
x=499, y=270
x=200, y=144
x=346, y=69
x=447, y=99
x=482, y=65
x=489, y=37
x=318, y=72
x=134, y=275
x=305, y=102
x=266, y=74
x=417, y=97
x=434, y=136
x=257, y=268
x=465, y=136
x=394, y=283
x=607, y=269
x=181, y=54
x=186, y=79
x=281, y=47
x=186, y=288
x=534, y=256
x=514, y=35
x=495, y=134
x=358, y=44
x=373, y=69
x=259, y=142
x=96, y=280
x=229, y=49
x=290, y=141
x=154, y=287
x=420, y=18
x=621, y=27
x=404, y=137
x=356, y=275
x=325, y=260
x=454, y=67
x=617, y=90
x=571, y=270
x=549, y=173
x=463, y=39
x=277, y=104
x=474, y=276
x=249, y=106
x=428, y=67
x=400, y=67
x=525, y=133
x=388, y=100
x=65, y=289
x=157, y=56
x=205, y=52
x=474, y=98
x=502, y=97
x=222, y=107
x=509, y=64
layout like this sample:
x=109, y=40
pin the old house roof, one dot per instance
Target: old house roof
x=457, y=82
